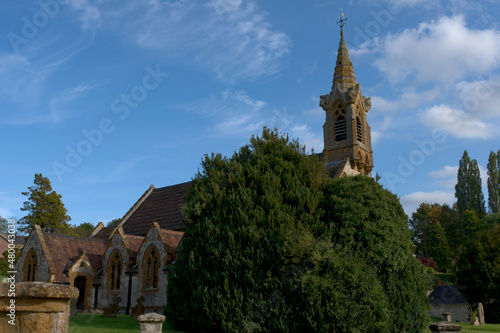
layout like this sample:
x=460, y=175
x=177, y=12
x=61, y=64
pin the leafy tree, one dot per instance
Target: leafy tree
x=440, y=252
x=479, y=270
x=84, y=229
x=45, y=208
x=3, y=225
x=450, y=221
x=468, y=190
x=421, y=223
x=470, y=225
x=113, y=222
x=273, y=245
x=494, y=182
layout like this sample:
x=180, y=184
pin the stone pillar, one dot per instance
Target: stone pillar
x=36, y=307
x=151, y=322
x=444, y=326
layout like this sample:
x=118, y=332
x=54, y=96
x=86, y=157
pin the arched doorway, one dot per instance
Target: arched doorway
x=79, y=284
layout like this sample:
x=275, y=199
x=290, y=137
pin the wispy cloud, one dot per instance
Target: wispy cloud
x=118, y=172
x=231, y=38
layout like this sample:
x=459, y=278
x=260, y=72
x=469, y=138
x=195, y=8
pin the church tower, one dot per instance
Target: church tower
x=347, y=147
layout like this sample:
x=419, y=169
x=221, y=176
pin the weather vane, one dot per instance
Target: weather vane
x=341, y=21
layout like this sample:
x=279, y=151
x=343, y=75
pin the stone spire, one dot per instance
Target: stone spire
x=344, y=73
x=347, y=135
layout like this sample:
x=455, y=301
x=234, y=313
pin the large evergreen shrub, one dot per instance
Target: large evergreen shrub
x=273, y=245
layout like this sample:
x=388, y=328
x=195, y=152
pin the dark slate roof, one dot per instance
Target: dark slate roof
x=64, y=248
x=163, y=205
x=446, y=295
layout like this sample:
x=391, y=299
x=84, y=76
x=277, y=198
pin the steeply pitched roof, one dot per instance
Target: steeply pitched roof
x=64, y=248
x=447, y=295
x=162, y=205
x=171, y=238
x=102, y=233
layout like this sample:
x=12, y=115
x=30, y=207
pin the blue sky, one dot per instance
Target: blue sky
x=106, y=97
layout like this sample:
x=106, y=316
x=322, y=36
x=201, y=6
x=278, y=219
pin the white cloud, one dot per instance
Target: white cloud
x=441, y=51
x=411, y=201
x=481, y=97
x=456, y=123
x=446, y=177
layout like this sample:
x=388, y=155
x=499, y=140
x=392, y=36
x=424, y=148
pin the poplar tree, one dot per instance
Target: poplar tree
x=468, y=190
x=494, y=182
x=45, y=208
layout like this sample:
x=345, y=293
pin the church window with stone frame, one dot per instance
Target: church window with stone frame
x=115, y=271
x=30, y=266
x=359, y=130
x=151, y=268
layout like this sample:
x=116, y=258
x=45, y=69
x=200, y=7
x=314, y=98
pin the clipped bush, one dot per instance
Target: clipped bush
x=273, y=245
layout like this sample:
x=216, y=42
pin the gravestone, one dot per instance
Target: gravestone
x=112, y=310
x=151, y=322
x=480, y=314
x=139, y=308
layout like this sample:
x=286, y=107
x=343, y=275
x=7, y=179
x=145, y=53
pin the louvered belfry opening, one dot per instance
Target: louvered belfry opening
x=359, y=131
x=340, y=129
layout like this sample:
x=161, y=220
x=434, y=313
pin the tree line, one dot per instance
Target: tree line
x=464, y=238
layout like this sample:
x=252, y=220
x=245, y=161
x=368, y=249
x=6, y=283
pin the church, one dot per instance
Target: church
x=129, y=263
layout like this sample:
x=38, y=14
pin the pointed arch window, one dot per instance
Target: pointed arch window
x=340, y=129
x=151, y=268
x=30, y=266
x=359, y=130
x=115, y=271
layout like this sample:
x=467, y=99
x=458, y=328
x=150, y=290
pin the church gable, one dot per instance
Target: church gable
x=35, y=262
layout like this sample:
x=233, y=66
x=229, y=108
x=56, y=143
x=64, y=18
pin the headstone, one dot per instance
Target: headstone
x=444, y=326
x=447, y=317
x=480, y=314
x=476, y=321
x=36, y=307
x=139, y=308
x=151, y=322
x=112, y=310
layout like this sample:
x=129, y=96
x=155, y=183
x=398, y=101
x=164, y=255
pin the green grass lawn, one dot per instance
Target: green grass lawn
x=467, y=328
x=92, y=323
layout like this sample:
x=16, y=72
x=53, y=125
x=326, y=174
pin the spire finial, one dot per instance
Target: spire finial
x=341, y=21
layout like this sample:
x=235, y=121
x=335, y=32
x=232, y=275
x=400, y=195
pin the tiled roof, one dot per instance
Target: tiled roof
x=162, y=205
x=172, y=239
x=63, y=248
x=104, y=233
x=446, y=295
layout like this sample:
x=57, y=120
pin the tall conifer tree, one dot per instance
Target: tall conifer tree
x=468, y=190
x=494, y=182
x=45, y=208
